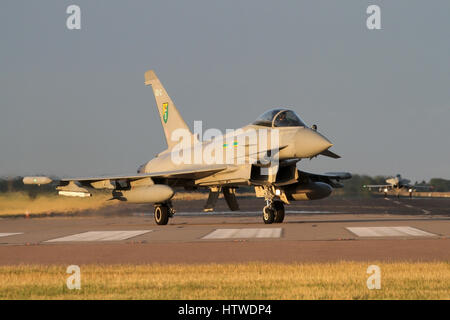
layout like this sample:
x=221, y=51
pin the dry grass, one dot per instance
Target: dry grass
x=343, y=280
x=17, y=203
x=14, y=203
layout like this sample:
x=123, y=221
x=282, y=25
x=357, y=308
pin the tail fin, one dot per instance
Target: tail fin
x=170, y=117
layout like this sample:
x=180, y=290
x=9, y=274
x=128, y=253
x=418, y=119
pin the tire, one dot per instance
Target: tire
x=279, y=211
x=161, y=215
x=268, y=215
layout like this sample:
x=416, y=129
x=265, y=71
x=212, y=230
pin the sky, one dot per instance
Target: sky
x=73, y=102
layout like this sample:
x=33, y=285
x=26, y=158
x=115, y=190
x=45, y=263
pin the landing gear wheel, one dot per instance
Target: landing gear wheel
x=278, y=207
x=161, y=214
x=268, y=215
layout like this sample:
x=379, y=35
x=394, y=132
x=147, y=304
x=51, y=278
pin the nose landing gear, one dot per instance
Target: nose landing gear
x=279, y=211
x=273, y=212
x=268, y=214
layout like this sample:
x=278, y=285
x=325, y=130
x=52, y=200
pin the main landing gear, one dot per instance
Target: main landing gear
x=273, y=212
x=162, y=213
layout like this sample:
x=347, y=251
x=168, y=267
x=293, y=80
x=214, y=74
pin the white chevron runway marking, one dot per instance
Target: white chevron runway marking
x=244, y=233
x=389, y=232
x=101, y=236
x=9, y=234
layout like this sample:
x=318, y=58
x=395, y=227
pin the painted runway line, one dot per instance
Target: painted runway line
x=411, y=207
x=240, y=213
x=101, y=236
x=9, y=234
x=389, y=232
x=244, y=233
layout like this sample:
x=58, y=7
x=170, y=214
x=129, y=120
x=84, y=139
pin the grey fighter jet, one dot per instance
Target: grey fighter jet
x=397, y=184
x=263, y=154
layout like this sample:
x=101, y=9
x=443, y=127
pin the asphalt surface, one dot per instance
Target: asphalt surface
x=374, y=229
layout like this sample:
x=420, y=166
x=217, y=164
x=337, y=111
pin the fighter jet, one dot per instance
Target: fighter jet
x=263, y=154
x=397, y=184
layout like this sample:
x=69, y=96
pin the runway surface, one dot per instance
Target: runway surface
x=318, y=231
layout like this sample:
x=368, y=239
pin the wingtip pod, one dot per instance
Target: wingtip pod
x=150, y=75
x=37, y=180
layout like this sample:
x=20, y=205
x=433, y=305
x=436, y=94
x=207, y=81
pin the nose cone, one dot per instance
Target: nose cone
x=309, y=143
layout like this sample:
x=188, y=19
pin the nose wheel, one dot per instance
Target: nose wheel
x=268, y=214
x=279, y=211
x=273, y=212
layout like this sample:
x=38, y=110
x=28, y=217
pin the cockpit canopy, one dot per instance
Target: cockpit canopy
x=279, y=118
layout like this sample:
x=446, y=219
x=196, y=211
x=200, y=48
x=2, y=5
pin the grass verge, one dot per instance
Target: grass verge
x=20, y=203
x=341, y=280
x=14, y=203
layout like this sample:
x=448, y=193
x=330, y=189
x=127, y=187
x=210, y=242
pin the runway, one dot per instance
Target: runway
x=318, y=231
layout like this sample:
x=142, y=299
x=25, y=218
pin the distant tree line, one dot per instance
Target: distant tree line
x=15, y=184
x=351, y=187
x=440, y=185
x=354, y=186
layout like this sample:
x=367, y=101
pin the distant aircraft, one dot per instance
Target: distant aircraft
x=397, y=183
x=270, y=168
